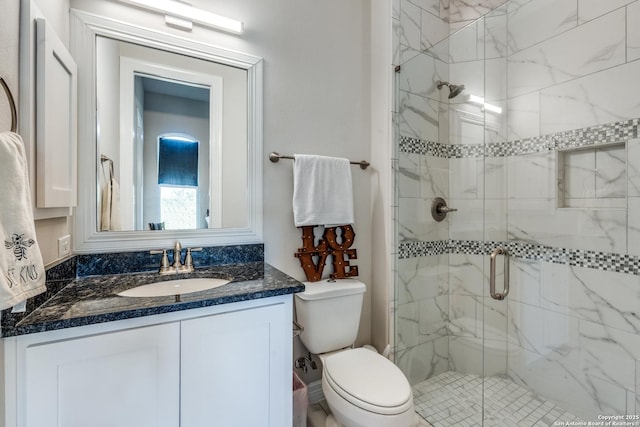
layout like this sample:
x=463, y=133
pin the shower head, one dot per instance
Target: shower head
x=454, y=90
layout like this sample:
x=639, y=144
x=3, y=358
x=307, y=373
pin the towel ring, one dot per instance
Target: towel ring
x=12, y=105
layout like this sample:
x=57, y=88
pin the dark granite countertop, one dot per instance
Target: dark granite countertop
x=90, y=300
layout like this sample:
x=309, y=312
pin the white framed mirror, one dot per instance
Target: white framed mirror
x=146, y=97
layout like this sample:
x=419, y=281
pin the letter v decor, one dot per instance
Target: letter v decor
x=336, y=242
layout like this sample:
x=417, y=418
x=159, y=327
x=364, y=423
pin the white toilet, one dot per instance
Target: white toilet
x=362, y=388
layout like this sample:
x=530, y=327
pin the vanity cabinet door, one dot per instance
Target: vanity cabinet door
x=236, y=369
x=128, y=378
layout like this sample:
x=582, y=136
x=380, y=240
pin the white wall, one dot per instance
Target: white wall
x=382, y=238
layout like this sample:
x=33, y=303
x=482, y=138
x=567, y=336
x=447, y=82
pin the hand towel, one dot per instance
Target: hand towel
x=22, y=272
x=322, y=191
x=110, y=201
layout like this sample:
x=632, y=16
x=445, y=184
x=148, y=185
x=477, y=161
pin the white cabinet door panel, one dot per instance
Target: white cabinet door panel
x=125, y=379
x=56, y=121
x=235, y=369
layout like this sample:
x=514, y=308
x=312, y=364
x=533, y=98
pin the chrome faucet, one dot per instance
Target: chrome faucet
x=177, y=266
x=177, y=255
x=188, y=260
x=164, y=262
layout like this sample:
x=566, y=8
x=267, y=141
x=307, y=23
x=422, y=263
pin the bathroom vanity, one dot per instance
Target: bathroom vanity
x=216, y=357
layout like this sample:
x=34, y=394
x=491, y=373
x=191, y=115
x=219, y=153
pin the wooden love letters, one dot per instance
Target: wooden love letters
x=313, y=258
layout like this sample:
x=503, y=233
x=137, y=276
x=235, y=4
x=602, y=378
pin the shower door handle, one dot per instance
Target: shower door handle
x=492, y=274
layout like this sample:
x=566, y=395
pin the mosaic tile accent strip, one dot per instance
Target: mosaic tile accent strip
x=459, y=151
x=601, y=134
x=471, y=247
x=455, y=399
x=420, y=146
x=418, y=249
x=606, y=261
x=520, y=146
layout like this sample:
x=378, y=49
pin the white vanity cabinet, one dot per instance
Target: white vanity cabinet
x=226, y=365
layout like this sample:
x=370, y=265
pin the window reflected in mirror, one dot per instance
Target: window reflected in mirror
x=183, y=203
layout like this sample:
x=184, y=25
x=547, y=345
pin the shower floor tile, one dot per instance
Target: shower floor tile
x=454, y=399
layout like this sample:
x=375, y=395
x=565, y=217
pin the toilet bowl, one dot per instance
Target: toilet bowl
x=364, y=389
x=361, y=387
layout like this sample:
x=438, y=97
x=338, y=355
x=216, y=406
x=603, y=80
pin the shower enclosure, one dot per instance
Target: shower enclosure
x=525, y=120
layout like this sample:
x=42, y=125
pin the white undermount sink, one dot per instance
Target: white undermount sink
x=173, y=287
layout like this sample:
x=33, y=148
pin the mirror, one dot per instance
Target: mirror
x=163, y=93
x=171, y=132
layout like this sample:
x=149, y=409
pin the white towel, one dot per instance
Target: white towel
x=110, y=201
x=22, y=272
x=322, y=191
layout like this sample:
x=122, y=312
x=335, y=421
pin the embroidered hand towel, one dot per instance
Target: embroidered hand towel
x=322, y=191
x=22, y=272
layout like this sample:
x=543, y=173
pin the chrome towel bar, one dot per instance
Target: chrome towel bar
x=275, y=157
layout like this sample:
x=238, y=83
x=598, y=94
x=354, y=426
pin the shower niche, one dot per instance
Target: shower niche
x=593, y=177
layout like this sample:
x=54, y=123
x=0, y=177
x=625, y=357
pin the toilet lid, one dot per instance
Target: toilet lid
x=368, y=380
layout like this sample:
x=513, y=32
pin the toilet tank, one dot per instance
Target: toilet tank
x=329, y=312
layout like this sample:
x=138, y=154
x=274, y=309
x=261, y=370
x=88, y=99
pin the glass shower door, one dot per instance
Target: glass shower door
x=441, y=295
x=478, y=285
x=531, y=369
x=497, y=389
x=472, y=124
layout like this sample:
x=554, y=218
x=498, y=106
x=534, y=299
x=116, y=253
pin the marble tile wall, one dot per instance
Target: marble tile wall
x=565, y=73
x=421, y=317
x=461, y=11
x=579, y=342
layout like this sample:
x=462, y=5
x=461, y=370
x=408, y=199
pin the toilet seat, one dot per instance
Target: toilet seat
x=369, y=381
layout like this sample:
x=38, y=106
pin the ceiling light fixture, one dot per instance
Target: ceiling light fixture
x=480, y=101
x=182, y=15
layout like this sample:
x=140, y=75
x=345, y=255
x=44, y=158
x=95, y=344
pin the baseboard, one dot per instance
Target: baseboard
x=314, y=391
